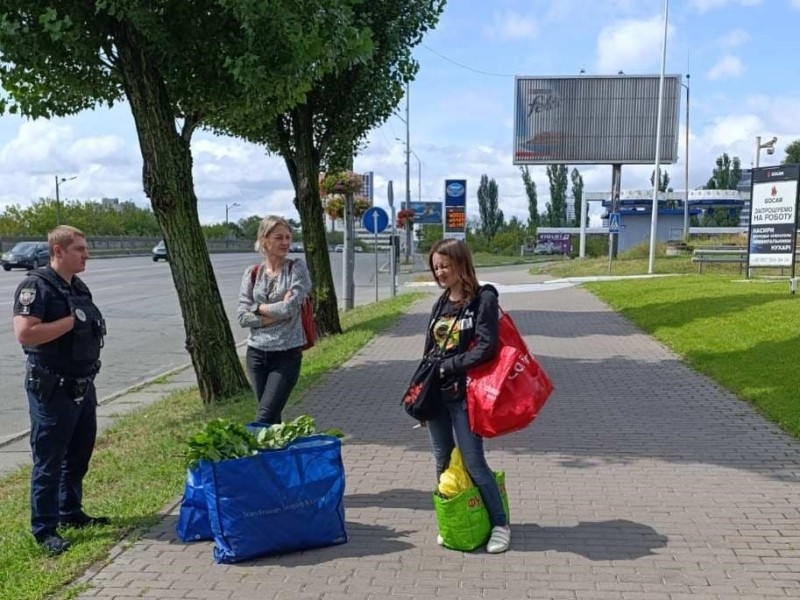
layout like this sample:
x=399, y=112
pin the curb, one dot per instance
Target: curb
x=14, y=437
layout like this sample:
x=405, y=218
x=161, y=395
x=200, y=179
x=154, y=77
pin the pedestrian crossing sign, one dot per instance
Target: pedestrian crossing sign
x=613, y=223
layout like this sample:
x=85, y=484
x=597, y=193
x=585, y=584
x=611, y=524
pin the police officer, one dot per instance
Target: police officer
x=61, y=331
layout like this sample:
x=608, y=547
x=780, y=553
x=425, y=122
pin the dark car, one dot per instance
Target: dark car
x=160, y=252
x=26, y=255
x=296, y=247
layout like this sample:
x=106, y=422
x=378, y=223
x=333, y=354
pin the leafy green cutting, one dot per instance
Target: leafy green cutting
x=222, y=439
x=219, y=440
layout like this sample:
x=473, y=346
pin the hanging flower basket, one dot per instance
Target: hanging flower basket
x=340, y=182
x=405, y=218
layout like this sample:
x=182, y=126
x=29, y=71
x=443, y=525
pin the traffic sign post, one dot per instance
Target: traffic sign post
x=613, y=229
x=375, y=220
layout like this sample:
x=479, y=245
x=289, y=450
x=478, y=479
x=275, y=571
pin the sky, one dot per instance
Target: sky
x=741, y=55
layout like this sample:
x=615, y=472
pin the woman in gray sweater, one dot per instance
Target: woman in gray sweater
x=270, y=298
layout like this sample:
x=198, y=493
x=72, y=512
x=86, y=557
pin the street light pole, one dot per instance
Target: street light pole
x=686, y=167
x=58, y=205
x=60, y=180
x=408, y=173
x=657, y=171
x=227, y=206
x=419, y=177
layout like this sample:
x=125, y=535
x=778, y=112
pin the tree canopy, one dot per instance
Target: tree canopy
x=792, y=153
x=179, y=65
x=329, y=126
x=726, y=174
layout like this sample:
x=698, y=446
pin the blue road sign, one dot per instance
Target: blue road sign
x=375, y=219
x=613, y=223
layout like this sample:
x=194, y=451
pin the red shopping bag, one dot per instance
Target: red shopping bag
x=505, y=394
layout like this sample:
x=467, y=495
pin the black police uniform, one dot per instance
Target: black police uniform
x=61, y=396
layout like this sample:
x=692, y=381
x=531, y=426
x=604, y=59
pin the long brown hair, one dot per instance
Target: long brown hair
x=461, y=258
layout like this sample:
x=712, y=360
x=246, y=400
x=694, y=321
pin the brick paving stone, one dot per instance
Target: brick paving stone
x=640, y=480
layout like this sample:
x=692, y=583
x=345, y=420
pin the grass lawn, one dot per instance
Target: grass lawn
x=137, y=469
x=628, y=266
x=484, y=259
x=743, y=334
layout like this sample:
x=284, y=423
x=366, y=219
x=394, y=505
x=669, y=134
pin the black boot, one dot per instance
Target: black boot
x=81, y=520
x=52, y=543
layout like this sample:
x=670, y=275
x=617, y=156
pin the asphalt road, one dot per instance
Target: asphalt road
x=145, y=327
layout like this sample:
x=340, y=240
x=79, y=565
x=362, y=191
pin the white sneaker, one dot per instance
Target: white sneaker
x=500, y=540
x=439, y=540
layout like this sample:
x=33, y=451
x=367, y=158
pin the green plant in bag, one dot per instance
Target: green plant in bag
x=219, y=440
x=223, y=439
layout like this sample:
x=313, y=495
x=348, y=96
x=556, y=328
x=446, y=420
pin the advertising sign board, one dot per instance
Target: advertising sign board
x=455, y=208
x=594, y=120
x=773, y=216
x=427, y=213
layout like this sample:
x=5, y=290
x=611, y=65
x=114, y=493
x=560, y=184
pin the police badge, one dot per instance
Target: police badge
x=27, y=296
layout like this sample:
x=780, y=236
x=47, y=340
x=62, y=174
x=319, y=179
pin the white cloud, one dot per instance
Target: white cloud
x=512, y=26
x=734, y=38
x=795, y=3
x=632, y=45
x=707, y=5
x=727, y=67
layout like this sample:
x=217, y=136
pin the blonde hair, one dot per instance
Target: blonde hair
x=63, y=236
x=458, y=252
x=266, y=226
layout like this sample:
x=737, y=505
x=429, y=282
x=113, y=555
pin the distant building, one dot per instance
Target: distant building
x=570, y=210
x=744, y=193
x=368, y=187
x=112, y=202
x=635, y=208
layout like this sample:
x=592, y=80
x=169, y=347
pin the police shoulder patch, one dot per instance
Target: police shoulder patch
x=26, y=296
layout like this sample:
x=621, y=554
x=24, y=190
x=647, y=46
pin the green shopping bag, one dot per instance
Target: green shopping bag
x=463, y=520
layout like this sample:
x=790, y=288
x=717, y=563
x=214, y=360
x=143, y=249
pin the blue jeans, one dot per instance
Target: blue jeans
x=273, y=376
x=451, y=428
x=62, y=440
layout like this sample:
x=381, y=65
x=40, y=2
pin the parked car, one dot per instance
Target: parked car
x=339, y=248
x=296, y=247
x=160, y=252
x=26, y=255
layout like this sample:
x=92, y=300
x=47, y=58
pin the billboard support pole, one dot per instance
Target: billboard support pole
x=584, y=205
x=616, y=189
x=657, y=177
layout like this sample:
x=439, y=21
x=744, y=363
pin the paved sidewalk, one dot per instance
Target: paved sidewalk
x=641, y=480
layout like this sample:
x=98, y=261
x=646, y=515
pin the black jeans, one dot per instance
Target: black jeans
x=273, y=376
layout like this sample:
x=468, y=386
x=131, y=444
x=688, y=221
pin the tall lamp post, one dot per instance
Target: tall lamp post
x=227, y=207
x=407, y=202
x=419, y=176
x=657, y=170
x=769, y=146
x=686, y=167
x=60, y=180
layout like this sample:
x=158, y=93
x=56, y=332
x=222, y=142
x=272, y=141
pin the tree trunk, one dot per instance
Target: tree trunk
x=167, y=176
x=304, y=169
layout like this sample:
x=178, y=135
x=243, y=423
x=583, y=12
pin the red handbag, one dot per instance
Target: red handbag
x=306, y=310
x=506, y=394
x=309, y=326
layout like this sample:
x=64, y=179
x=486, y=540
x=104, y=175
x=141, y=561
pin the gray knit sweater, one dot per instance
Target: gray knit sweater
x=269, y=291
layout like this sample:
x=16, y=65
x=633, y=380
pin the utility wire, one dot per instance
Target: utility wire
x=463, y=66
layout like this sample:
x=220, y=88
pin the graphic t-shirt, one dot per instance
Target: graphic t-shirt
x=446, y=332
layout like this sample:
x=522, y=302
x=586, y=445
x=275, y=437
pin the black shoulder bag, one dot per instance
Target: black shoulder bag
x=423, y=398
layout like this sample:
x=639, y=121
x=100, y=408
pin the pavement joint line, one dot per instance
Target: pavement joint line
x=14, y=437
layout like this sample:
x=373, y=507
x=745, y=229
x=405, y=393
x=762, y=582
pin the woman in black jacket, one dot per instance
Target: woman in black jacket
x=463, y=330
